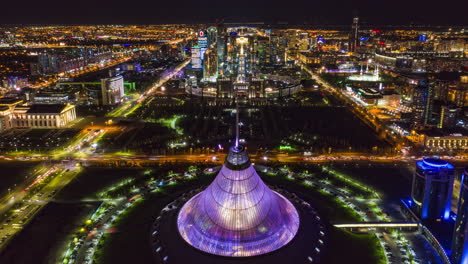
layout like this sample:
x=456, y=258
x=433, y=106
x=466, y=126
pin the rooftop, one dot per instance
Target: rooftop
x=9, y=101
x=434, y=163
x=4, y=108
x=48, y=108
x=446, y=132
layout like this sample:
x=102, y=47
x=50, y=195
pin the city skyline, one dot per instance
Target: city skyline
x=229, y=142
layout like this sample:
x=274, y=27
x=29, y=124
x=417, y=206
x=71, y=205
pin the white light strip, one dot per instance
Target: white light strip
x=363, y=225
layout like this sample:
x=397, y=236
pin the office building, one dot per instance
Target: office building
x=422, y=103
x=210, y=66
x=448, y=116
x=212, y=35
x=112, y=90
x=354, y=36
x=221, y=49
x=196, y=57
x=459, y=249
x=432, y=188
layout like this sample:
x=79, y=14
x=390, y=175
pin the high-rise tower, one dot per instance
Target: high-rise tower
x=448, y=116
x=423, y=98
x=432, y=188
x=221, y=48
x=460, y=235
x=354, y=36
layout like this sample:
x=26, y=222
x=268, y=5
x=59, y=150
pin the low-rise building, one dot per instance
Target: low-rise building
x=308, y=58
x=36, y=116
x=444, y=142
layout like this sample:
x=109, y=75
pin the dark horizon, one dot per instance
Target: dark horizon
x=296, y=12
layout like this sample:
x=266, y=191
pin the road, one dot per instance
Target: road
x=32, y=200
x=33, y=196
x=17, y=193
x=282, y=158
x=82, y=154
x=131, y=105
x=356, y=108
x=49, y=181
x=86, y=69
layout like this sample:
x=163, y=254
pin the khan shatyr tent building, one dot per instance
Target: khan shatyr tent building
x=238, y=215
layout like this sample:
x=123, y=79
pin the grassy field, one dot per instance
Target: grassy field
x=45, y=236
x=15, y=172
x=40, y=240
x=133, y=230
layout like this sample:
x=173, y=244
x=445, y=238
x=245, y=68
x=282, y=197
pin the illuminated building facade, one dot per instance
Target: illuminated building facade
x=43, y=116
x=460, y=235
x=308, y=57
x=7, y=106
x=221, y=48
x=432, y=188
x=238, y=215
x=278, y=45
x=5, y=118
x=196, y=60
x=212, y=35
x=447, y=142
x=36, y=116
x=240, y=78
x=263, y=86
x=448, y=117
x=422, y=103
x=112, y=90
x=354, y=38
x=210, y=66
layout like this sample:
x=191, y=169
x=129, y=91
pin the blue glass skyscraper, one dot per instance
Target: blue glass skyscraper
x=460, y=238
x=432, y=188
x=423, y=97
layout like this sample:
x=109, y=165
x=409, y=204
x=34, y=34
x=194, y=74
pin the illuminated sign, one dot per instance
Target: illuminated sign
x=203, y=42
x=286, y=148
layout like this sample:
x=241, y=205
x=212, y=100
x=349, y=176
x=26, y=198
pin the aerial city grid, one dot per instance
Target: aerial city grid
x=234, y=142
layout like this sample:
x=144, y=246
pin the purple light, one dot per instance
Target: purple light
x=238, y=215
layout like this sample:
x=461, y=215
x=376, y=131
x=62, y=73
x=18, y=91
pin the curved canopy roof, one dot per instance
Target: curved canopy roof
x=238, y=215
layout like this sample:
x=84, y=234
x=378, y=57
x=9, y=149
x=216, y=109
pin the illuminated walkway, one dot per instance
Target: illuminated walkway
x=372, y=227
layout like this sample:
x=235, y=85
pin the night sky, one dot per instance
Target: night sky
x=207, y=11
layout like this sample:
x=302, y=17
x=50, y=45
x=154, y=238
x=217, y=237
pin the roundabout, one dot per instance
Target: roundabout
x=307, y=246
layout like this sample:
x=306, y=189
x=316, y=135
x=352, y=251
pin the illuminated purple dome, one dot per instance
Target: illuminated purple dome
x=238, y=215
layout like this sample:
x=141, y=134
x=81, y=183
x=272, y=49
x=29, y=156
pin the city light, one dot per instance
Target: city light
x=117, y=134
